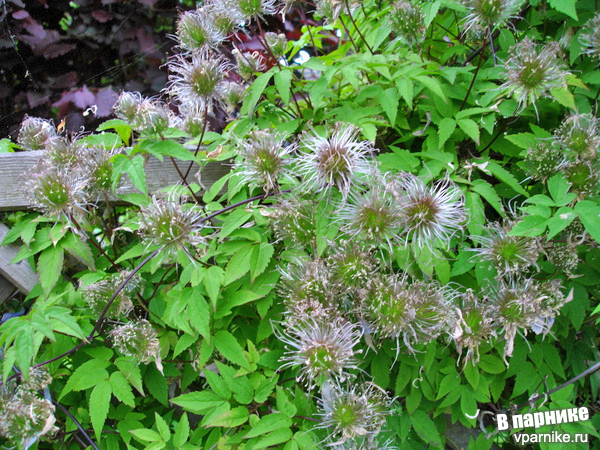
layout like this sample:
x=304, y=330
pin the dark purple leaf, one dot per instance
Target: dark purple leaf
x=83, y=98
x=101, y=16
x=21, y=14
x=105, y=99
x=35, y=99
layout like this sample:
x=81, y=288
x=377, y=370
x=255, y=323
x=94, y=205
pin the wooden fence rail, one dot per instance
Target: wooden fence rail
x=14, y=168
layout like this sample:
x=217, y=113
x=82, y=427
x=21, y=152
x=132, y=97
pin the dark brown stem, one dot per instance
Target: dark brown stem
x=474, y=76
x=349, y=36
x=204, y=123
x=356, y=27
x=77, y=424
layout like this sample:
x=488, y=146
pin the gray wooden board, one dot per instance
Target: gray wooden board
x=6, y=290
x=14, y=168
x=20, y=275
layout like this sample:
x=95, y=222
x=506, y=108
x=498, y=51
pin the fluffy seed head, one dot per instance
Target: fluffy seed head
x=126, y=106
x=265, y=156
x=166, y=223
x=357, y=413
x=590, y=37
x=531, y=74
x=35, y=132
x=543, y=159
x=509, y=254
x=408, y=20
x=99, y=293
x=152, y=117
x=323, y=350
x=337, y=159
x=330, y=10
x=584, y=177
x=248, y=64
x=233, y=94
x=430, y=215
x=255, y=9
x=197, y=80
x=579, y=137
x=308, y=279
x=196, y=29
x=57, y=191
x=277, y=43
x=373, y=217
x=295, y=220
x=137, y=339
x=490, y=13
x=351, y=265
x=563, y=256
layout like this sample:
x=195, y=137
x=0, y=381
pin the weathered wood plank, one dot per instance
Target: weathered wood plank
x=6, y=289
x=20, y=275
x=15, y=166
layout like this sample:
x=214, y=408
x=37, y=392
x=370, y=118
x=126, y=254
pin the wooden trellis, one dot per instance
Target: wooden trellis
x=14, y=168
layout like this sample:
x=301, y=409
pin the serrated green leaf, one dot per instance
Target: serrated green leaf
x=122, y=389
x=388, y=100
x=486, y=190
x=99, y=403
x=49, y=266
x=217, y=384
x=470, y=128
x=269, y=423
x=506, y=177
x=213, y=280
x=448, y=383
x=238, y=265
x=182, y=431
x=89, y=374
x=198, y=314
x=529, y=226
x=445, y=129
x=25, y=348
x=162, y=427
x=256, y=90
x=425, y=428
x=283, y=82
x=432, y=84
x=122, y=128
x=235, y=220
x=232, y=418
x=558, y=187
x=565, y=6
x=229, y=347
x=561, y=219
x=167, y=148
x=261, y=257
x=137, y=173
x=79, y=249
x=131, y=371
x=284, y=405
x=589, y=214
x=146, y=435
x=563, y=96
x=198, y=402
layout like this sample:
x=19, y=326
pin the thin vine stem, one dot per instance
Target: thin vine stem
x=356, y=27
x=474, y=76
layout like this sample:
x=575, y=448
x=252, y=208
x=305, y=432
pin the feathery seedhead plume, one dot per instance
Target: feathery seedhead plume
x=126, y=106
x=98, y=294
x=197, y=29
x=323, y=350
x=351, y=265
x=408, y=20
x=590, y=37
x=248, y=64
x=139, y=340
x=330, y=10
x=532, y=73
x=295, y=220
x=277, y=43
x=197, y=80
x=339, y=159
x=356, y=413
x=265, y=157
x=579, y=137
x=584, y=177
x=255, y=9
x=233, y=94
x=62, y=152
x=152, y=117
x=430, y=215
x=509, y=254
x=418, y=312
x=543, y=159
x=166, y=223
x=97, y=163
x=57, y=191
x=308, y=279
x=373, y=217
x=474, y=326
x=564, y=256
x=35, y=132
x=488, y=14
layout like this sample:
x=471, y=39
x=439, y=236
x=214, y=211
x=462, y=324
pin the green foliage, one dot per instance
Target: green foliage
x=454, y=269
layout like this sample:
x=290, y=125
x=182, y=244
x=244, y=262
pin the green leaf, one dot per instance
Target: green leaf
x=167, y=148
x=229, y=347
x=238, y=265
x=589, y=214
x=269, y=423
x=234, y=221
x=25, y=347
x=122, y=128
x=89, y=374
x=425, y=428
x=122, y=389
x=563, y=96
x=506, y=177
x=470, y=128
x=212, y=282
x=99, y=403
x=217, y=384
x=283, y=82
x=448, y=384
x=565, y=6
x=529, y=226
x=137, y=174
x=198, y=402
x=232, y=418
x=561, y=219
x=198, y=314
x=7, y=146
x=131, y=371
x=389, y=102
x=558, y=187
x=182, y=431
x=261, y=257
x=49, y=266
x=146, y=435
x=284, y=405
x=445, y=129
x=432, y=84
x=79, y=249
x=486, y=190
x=162, y=427
x=256, y=90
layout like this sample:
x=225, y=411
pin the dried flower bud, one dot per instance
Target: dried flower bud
x=351, y=265
x=295, y=220
x=99, y=293
x=248, y=64
x=277, y=43
x=563, y=256
x=579, y=137
x=196, y=29
x=233, y=95
x=408, y=21
x=488, y=14
x=35, y=132
x=584, y=177
x=152, y=117
x=62, y=152
x=543, y=159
